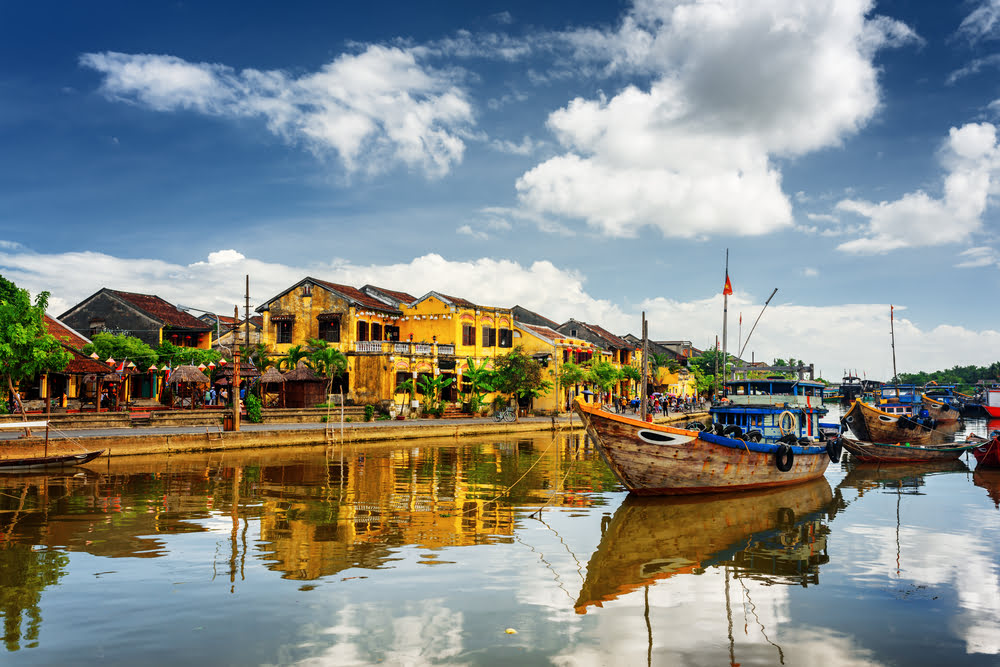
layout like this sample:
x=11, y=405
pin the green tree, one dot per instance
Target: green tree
x=175, y=356
x=327, y=361
x=431, y=387
x=517, y=374
x=603, y=375
x=26, y=348
x=479, y=381
x=120, y=348
x=571, y=375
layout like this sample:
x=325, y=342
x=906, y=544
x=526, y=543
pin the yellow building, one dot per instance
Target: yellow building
x=552, y=349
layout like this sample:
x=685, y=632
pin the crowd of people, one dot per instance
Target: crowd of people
x=655, y=404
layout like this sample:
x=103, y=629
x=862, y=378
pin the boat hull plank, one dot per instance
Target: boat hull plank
x=889, y=453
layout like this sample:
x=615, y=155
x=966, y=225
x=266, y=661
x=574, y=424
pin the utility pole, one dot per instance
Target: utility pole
x=246, y=311
x=236, y=375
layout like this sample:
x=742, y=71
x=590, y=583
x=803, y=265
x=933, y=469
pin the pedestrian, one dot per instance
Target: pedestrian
x=212, y=395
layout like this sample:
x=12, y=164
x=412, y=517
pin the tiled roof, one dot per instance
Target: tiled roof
x=160, y=310
x=81, y=364
x=64, y=334
x=544, y=332
x=357, y=296
x=458, y=301
x=545, y=321
x=616, y=341
x=399, y=296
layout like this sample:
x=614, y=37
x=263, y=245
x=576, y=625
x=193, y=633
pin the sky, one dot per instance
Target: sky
x=593, y=160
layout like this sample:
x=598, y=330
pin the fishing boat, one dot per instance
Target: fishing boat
x=770, y=409
x=871, y=424
x=986, y=450
x=775, y=534
x=898, y=453
x=657, y=459
x=56, y=460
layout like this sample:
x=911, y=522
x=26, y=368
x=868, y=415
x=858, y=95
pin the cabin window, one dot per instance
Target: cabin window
x=283, y=332
x=468, y=334
x=329, y=330
x=489, y=336
x=362, y=331
x=506, y=338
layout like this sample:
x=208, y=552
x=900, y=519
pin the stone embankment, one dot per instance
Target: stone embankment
x=168, y=433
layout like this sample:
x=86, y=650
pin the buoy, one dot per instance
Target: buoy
x=511, y=631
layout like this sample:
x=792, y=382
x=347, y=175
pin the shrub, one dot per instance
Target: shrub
x=369, y=412
x=253, y=409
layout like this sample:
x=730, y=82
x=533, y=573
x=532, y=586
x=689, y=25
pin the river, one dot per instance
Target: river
x=491, y=552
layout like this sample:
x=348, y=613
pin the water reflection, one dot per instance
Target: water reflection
x=777, y=535
x=989, y=479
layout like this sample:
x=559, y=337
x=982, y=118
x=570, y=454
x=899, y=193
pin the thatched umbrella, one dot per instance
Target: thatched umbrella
x=188, y=376
x=273, y=376
x=303, y=387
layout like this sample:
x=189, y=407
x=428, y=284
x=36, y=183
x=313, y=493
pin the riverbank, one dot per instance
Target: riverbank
x=173, y=439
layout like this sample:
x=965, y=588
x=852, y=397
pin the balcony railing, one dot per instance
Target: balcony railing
x=395, y=347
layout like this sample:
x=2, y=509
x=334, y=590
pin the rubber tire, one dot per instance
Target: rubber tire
x=834, y=449
x=733, y=431
x=695, y=426
x=784, y=457
x=755, y=436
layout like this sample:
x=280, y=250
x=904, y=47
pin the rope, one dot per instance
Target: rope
x=516, y=481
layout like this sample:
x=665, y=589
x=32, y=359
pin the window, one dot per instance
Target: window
x=489, y=336
x=362, y=330
x=376, y=331
x=284, y=332
x=96, y=326
x=391, y=333
x=506, y=338
x=468, y=334
x=307, y=289
x=329, y=330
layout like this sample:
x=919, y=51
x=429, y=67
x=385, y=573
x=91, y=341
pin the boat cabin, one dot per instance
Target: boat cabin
x=774, y=406
x=775, y=391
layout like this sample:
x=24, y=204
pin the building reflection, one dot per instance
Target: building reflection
x=776, y=535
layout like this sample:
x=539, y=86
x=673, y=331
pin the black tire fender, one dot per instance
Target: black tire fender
x=834, y=450
x=784, y=457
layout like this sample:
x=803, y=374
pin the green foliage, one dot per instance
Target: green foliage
x=631, y=373
x=480, y=382
x=369, y=412
x=295, y=354
x=407, y=387
x=168, y=353
x=571, y=375
x=24, y=573
x=703, y=383
x=26, y=349
x=327, y=361
x=430, y=388
x=604, y=375
x=259, y=355
x=120, y=348
x=965, y=376
x=324, y=418
x=519, y=375
x=253, y=409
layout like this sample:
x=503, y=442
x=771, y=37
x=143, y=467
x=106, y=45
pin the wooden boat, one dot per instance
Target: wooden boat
x=656, y=459
x=870, y=424
x=55, y=460
x=987, y=452
x=772, y=408
x=892, y=453
x=768, y=533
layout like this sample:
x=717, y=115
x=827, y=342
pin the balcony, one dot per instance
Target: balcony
x=406, y=349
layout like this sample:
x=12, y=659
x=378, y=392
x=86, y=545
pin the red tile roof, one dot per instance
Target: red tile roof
x=64, y=334
x=81, y=364
x=545, y=332
x=399, y=296
x=615, y=341
x=160, y=310
x=357, y=296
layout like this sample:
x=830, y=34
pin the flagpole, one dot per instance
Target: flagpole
x=739, y=341
x=892, y=334
x=725, y=317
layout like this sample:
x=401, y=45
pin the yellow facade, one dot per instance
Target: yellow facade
x=552, y=349
x=681, y=383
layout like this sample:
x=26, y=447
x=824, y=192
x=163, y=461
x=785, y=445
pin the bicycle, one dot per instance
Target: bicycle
x=505, y=415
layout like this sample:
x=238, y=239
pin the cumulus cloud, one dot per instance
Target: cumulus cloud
x=373, y=110
x=970, y=158
x=217, y=282
x=734, y=85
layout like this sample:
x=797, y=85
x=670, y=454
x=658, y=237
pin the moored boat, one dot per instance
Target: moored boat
x=657, y=459
x=988, y=453
x=890, y=453
x=870, y=424
x=22, y=462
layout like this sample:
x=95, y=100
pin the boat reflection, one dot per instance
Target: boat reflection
x=989, y=479
x=776, y=535
x=905, y=477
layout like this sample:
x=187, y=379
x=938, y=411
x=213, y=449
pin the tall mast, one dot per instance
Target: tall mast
x=892, y=337
x=645, y=364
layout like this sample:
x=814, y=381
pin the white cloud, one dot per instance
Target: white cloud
x=467, y=230
x=970, y=158
x=810, y=272
x=526, y=147
x=983, y=23
x=217, y=284
x=977, y=257
x=736, y=83
x=373, y=110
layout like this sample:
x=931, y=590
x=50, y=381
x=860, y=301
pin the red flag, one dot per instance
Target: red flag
x=728, y=289
x=890, y=313
x=741, y=316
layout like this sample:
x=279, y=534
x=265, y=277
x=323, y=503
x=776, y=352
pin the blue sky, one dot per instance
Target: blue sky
x=588, y=160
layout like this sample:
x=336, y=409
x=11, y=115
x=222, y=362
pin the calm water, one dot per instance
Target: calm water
x=428, y=552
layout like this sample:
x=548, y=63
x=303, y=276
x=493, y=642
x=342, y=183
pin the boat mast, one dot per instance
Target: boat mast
x=892, y=338
x=645, y=363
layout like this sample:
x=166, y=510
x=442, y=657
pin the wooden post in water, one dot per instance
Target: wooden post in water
x=645, y=363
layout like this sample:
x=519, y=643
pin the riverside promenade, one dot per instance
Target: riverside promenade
x=139, y=440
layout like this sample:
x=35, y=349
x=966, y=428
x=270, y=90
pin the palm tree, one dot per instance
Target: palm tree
x=327, y=361
x=291, y=359
x=480, y=382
